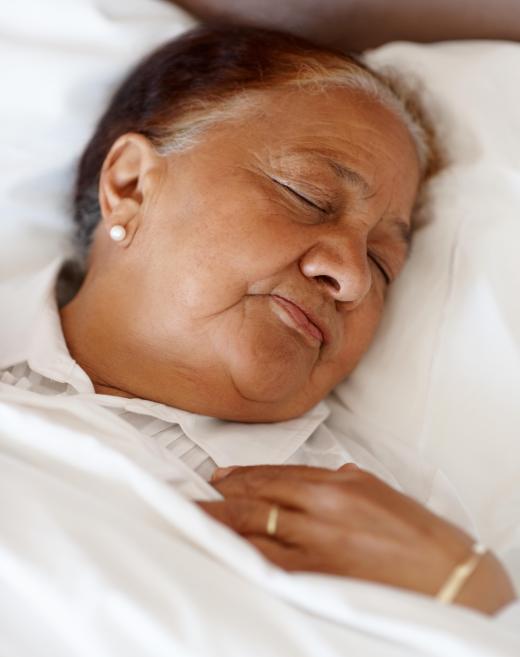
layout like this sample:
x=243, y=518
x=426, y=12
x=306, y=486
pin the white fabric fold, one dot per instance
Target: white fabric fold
x=96, y=546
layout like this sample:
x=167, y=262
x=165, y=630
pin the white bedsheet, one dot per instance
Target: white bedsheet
x=98, y=557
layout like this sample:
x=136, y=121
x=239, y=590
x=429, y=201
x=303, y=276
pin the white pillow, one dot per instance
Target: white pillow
x=60, y=60
x=444, y=371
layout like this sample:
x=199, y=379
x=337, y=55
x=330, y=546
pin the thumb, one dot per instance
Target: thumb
x=346, y=467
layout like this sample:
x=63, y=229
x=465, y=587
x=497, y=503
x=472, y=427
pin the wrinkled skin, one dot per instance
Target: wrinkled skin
x=182, y=311
x=348, y=522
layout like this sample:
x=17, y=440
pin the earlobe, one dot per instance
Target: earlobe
x=122, y=224
x=122, y=185
x=117, y=233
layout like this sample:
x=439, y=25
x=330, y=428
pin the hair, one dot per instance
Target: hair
x=212, y=74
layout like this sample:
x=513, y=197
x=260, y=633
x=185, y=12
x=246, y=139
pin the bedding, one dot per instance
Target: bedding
x=98, y=556
x=443, y=376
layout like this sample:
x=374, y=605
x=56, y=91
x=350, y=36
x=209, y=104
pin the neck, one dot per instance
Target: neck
x=120, y=362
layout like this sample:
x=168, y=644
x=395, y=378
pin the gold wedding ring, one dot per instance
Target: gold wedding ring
x=272, y=520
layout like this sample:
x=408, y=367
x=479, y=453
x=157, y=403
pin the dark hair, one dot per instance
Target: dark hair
x=201, y=68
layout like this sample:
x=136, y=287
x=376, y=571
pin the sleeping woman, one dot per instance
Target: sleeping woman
x=242, y=208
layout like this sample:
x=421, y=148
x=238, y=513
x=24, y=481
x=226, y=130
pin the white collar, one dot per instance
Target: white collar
x=32, y=333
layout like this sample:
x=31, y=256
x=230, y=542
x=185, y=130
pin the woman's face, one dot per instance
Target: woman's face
x=308, y=201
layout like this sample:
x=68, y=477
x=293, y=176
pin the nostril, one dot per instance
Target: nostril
x=328, y=280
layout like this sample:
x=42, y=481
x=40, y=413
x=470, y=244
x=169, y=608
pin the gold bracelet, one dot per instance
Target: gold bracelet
x=451, y=588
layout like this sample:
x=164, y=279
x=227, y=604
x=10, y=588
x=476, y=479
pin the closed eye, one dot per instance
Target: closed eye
x=300, y=197
x=383, y=271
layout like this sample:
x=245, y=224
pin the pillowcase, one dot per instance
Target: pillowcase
x=60, y=61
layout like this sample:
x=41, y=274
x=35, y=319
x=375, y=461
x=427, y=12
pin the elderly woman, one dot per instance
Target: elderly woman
x=242, y=208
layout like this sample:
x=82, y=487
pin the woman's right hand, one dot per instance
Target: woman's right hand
x=356, y=25
x=349, y=522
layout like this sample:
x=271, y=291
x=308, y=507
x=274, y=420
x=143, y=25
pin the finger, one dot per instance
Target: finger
x=307, y=471
x=284, y=556
x=348, y=467
x=247, y=516
x=300, y=487
x=220, y=473
x=295, y=495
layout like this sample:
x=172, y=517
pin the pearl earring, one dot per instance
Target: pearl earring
x=117, y=233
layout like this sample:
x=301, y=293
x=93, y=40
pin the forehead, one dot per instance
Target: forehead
x=366, y=142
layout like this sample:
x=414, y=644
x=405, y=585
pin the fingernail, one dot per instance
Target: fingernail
x=220, y=473
x=351, y=466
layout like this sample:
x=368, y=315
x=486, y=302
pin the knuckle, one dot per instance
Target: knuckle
x=340, y=495
x=358, y=476
x=327, y=496
x=239, y=513
x=256, y=481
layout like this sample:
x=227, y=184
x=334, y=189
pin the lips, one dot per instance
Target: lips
x=300, y=318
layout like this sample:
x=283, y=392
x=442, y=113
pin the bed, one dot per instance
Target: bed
x=99, y=557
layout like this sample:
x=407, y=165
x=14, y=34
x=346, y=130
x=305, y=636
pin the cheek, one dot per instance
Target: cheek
x=266, y=360
x=358, y=329
x=212, y=255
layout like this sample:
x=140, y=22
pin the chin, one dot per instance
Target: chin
x=270, y=371
x=253, y=412
x=269, y=380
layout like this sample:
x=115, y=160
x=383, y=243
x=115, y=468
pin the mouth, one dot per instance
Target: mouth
x=299, y=319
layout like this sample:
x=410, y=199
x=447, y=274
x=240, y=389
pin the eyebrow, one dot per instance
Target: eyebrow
x=342, y=171
x=349, y=175
x=345, y=173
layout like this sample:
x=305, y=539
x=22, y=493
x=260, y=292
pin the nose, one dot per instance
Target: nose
x=340, y=264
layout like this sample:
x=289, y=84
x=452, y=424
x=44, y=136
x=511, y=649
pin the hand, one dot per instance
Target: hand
x=361, y=24
x=348, y=522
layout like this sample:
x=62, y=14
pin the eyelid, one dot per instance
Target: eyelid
x=300, y=196
x=381, y=268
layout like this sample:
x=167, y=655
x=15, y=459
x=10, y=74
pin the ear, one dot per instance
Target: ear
x=125, y=182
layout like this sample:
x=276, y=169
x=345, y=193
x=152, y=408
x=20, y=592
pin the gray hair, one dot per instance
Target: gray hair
x=186, y=130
